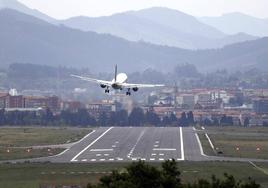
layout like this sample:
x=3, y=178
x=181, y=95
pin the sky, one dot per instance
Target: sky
x=62, y=9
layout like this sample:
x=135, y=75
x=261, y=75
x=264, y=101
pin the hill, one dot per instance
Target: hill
x=161, y=26
x=233, y=23
x=16, y=5
x=26, y=39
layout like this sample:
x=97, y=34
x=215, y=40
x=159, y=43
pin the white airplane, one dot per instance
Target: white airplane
x=118, y=83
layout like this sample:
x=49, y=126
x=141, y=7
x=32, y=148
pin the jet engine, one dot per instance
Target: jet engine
x=103, y=86
x=135, y=89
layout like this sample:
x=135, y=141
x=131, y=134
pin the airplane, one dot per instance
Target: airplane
x=119, y=82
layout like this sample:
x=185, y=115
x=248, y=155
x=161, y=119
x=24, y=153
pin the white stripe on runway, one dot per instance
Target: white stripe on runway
x=74, y=159
x=182, y=145
x=200, y=145
x=164, y=149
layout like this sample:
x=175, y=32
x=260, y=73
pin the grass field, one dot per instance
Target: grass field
x=237, y=141
x=34, y=175
x=205, y=144
x=23, y=153
x=25, y=137
x=16, y=143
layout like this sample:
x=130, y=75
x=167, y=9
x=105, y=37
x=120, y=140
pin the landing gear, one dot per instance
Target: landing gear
x=128, y=93
x=107, y=90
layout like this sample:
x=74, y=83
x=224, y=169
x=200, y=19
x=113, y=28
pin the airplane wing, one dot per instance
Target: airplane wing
x=127, y=85
x=104, y=82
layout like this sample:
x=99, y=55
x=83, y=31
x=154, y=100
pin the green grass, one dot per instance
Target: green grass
x=24, y=137
x=205, y=144
x=237, y=141
x=237, y=129
x=34, y=175
x=15, y=142
x=23, y=153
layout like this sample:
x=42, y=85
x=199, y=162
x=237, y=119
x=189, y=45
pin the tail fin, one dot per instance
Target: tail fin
x=115, y=73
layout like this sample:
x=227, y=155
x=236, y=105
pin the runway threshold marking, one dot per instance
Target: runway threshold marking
x=164, y=149
x=74, y=159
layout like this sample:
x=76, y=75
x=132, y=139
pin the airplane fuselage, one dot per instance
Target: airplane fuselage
x=120, y=79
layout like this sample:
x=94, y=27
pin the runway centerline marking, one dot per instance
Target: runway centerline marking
x=74, y=159
x=101, y=150
x=138, y=140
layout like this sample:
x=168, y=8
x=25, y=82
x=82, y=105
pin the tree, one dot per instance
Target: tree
x=190, y=117
x=152, y=118
x=122, y=118
x=173, y=119
x=2, y=117
x=226, y=120
x=103, y=119
x=171, y=174
x=207, y=122
x=142, y=175
x=183, y=120
x=246, y=122
x=136, y=117
x=166, y=121
x=215, y=121
x=48, y=117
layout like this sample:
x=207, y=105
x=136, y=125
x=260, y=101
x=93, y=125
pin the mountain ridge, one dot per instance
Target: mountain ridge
x=236, y=22
x=26, y=39
x=152, y=25
x=18, y=6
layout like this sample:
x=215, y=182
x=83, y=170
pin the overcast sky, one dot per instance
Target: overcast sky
x=67, y=8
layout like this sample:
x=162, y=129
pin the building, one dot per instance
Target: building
x=53, y=103
x=9, y=101
x=260, y=105
x=203, y=97
x=97, y=108
x=187, y=101
x=72, y=106
x=3, y=99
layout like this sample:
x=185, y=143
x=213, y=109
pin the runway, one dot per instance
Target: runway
x=126, y=144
